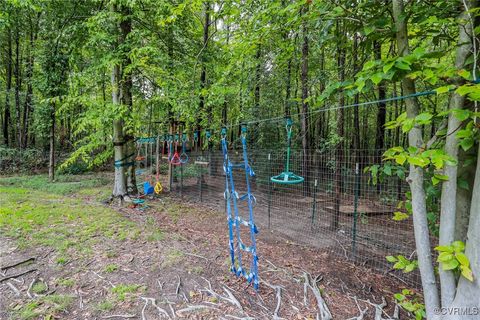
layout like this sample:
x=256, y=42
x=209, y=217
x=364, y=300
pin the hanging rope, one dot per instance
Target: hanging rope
x=158, y=185
x=183, y=155
x=175, y=158
x=288, y=177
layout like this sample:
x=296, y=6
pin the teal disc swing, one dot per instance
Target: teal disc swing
x=287, y=177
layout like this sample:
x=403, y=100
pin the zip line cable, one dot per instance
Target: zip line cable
x=361, y=104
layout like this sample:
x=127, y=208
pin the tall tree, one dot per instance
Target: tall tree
x=340, y=129
x=305, y=132
x=382, y=106
x=120, y=183
x=126, y=96
x=8, y=86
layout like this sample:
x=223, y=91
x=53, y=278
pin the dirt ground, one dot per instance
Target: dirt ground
x=179, y=271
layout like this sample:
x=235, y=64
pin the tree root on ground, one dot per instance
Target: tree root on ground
x=278, y=293
x=17, y=275
x=325, y=313
x=16, y=264
x=154, y=303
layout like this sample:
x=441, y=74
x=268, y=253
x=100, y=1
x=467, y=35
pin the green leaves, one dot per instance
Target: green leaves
x=399, y=216
x=407, y=124
x=452, y=257
x=436, y=157
x=377, y=78
x=444, y=89
x=402, y=263
x=402, y=64
x=410, y=301
x=423, y=118
x=437, y=178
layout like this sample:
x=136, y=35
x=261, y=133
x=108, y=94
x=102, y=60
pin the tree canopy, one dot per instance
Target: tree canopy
x=84, y=78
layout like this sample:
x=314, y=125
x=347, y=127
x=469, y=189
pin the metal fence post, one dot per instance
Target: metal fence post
x=181, y=180
x=314, y=203
x=269, y=187
x=355, y=208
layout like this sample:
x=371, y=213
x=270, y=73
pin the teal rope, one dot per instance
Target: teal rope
x=120, y=163
x=361, y=104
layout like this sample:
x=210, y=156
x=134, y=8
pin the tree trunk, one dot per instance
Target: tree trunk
x=288, y=88
x=126, y=97
x=51, y=165
x=8, y=88
x=416, y=177
x=120, y=182
x=448, y=206
x=356, y=115
x=305, y=104
x=256, y=94
x=468, y=292
x=18, y=87
x=203, y=74
x=382, y=108
x=27, y=109
x=466, y=171
x=340, y=132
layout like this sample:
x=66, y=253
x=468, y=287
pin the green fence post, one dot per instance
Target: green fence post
x=181, y=180
x=200, y=182
x=269, y=187
x=355, y=208
x=314, y=203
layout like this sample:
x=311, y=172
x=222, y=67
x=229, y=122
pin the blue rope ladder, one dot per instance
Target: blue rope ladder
x=234, y=220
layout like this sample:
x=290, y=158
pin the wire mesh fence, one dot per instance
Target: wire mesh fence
x=337, y=208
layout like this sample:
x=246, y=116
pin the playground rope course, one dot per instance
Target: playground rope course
x=177, y=157
x=232, y=198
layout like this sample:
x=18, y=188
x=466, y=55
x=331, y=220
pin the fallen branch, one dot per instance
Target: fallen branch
x=194, y=308
x=195, y=255
x=126, y=316
x=177, y=291
x=30, y=288
x=325, y=313
x=17, y=275
x=238, y=318
x=14, y=289
x=18, y=263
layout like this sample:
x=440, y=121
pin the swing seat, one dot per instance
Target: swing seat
x=175, y=160
x=183, y=158
x=147, y=188
x=158, y=188
x=140, y=158
x=287, y=178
